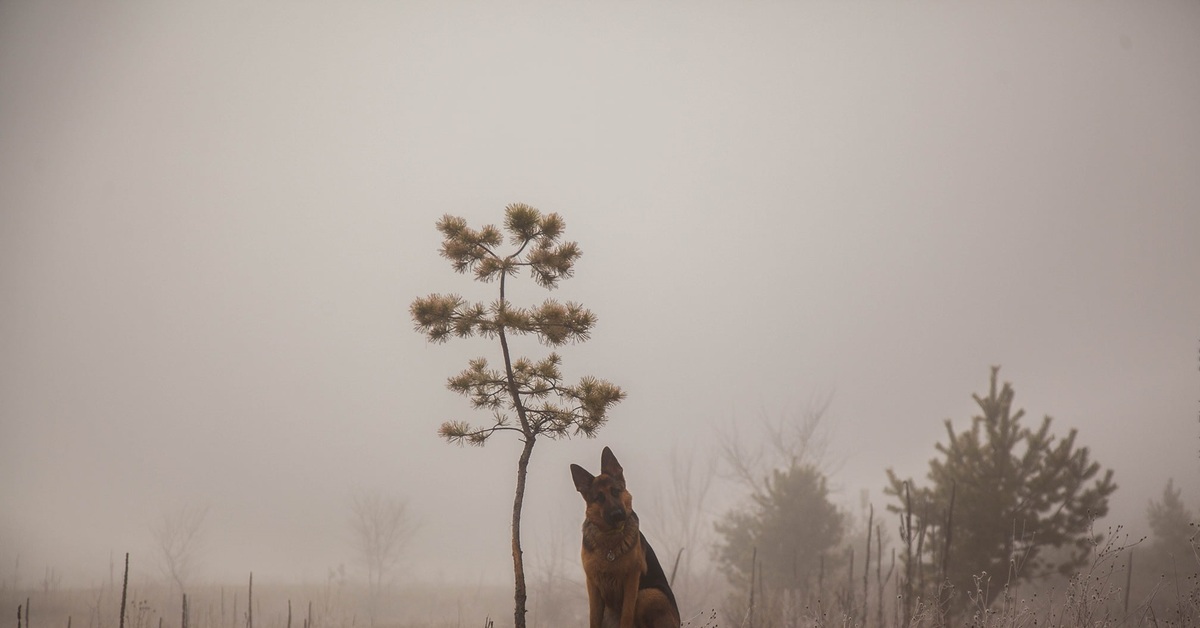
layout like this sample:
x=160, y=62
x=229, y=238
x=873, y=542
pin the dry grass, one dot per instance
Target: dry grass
x=1097, y=597
x=1094, y=598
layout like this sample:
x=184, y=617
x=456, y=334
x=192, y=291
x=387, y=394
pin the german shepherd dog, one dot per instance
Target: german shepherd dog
x=625, y=583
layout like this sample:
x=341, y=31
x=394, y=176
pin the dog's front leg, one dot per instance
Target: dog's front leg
x=595, y=606
x=629, y=602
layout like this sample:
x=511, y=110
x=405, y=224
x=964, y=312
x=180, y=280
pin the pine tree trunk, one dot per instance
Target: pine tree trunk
x=519, y=595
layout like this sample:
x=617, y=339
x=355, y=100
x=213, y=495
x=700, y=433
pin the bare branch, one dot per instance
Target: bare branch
x=787, y=441
x=177, y=536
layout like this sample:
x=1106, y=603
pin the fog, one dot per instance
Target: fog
x=213, y=218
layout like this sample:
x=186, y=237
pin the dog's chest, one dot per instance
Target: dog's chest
x=612, y=575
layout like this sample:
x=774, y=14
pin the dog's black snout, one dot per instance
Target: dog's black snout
x=615, y=515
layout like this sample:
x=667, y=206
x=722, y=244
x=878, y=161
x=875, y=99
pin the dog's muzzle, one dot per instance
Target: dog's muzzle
x=616, y=516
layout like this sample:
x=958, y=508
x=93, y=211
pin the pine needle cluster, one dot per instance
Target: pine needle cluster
x=527, y=396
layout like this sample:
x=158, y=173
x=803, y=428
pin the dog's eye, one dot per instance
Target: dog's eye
x=616, y=492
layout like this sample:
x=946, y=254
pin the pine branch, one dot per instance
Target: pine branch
x=461, y=433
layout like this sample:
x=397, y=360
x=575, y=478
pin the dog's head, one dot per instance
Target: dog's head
x=605, y=494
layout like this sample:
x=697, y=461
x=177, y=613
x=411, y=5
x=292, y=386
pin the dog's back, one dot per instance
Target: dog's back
x=653, y=583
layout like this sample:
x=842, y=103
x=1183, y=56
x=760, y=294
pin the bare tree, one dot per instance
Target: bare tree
x=382, y=527
x=789, y=440
x=177, y=537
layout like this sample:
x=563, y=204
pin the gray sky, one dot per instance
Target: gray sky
x=213, y=218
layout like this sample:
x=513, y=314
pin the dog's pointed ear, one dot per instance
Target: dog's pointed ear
x=583, y=479
x=609, y=465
